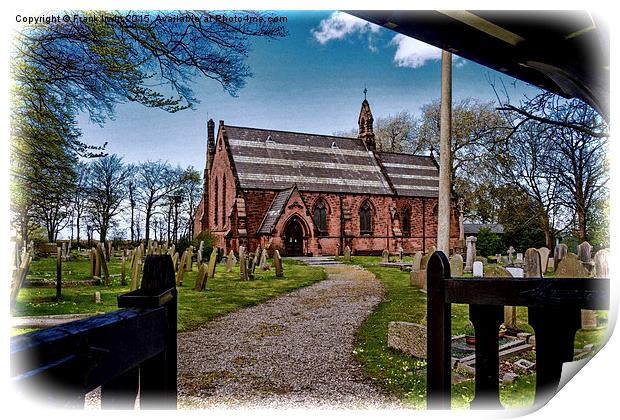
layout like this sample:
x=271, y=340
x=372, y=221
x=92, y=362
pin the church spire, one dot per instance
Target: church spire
x=365, y=122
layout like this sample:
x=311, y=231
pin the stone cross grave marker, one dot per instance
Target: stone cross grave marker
x=401, y=252
x=456, y=265
x=532, y=264
x=243, y=264
x=544, y=258
x=385, y=255
x=277, y=262
x=471, y=254
x=510, y=251
x=559, y=253
x=212, y=261
x=478, y=269
x=230, y=261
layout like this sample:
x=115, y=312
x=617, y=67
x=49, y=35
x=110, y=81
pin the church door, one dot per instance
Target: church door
x=293, y=239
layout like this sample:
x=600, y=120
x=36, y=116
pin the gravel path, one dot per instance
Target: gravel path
x=294, y=351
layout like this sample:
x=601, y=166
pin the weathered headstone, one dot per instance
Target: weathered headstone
x=255, y=260
x=571, y=266
x=401, y=253
x=510, y=312
x=97, y=297
x=277, y=262
x=212, y=260
x=104, y=264
x=584, y=252
x=510, y=251
x=422, y=277
x=251, y=265
x=559, y=253
x=532, y=264
x=92, y=258
x=601, y=264
x=544, y=258
x=181, y=270
x=515, y=271
x=201, y=277
x=230, y=261
x=478, y=269
x=123, y=273
x=407, y=337
x=471, y=254
x=189, y=258
x=385, y=255
x=519, y=259
x=456, y=265
x=243, y=264
x=199, y=257
x=263, y=260
x=417, y=259
x=135, y=269
x=347, y=253
x=97, y=272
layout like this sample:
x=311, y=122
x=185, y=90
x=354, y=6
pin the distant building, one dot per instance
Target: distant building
x=472, y=229
x=309, y=194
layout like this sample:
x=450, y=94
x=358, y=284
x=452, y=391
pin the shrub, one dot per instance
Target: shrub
x=488, y=242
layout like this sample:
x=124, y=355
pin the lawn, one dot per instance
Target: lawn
x=404, y=375
x=225, y=293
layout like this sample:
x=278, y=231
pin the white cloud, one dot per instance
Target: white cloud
x=413, y=53
x=340, y=24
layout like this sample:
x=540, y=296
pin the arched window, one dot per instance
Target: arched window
x=320, y=217
x=406, y=222
x=216, y=204
x=365, y=218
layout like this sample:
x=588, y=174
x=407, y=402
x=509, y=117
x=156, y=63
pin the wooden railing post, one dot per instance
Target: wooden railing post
x=158, y=375
x=439, y=334
x=555, y=330
x=486, y=320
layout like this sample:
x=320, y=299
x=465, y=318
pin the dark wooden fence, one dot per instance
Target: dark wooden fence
x=554, y=311
x=129, y=352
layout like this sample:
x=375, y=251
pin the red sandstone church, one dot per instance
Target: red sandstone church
x=311, y=194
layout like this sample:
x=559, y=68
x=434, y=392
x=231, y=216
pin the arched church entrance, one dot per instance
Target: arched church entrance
x=294, y=238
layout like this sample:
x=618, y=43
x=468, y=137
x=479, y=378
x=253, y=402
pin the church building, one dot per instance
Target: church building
x=311, y=194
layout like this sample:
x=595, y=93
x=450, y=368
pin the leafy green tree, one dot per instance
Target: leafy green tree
x=488, y=243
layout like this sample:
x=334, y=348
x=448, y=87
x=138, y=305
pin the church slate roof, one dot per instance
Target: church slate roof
x=275, y=160
x=274, y=212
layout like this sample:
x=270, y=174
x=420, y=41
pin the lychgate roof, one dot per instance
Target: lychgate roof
x=275, y=160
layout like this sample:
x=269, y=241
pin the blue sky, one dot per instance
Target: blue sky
x=310, y=81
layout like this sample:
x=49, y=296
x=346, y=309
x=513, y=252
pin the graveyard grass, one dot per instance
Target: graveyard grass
x=404, y=375
x=224, y=294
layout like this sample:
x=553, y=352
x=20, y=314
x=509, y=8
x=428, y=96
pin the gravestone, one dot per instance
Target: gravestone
x=414, y=277
x=601, y=264
x=471, y=254
x=189, y=258
x=92, y=257
x=519, y=259
x=201, y=277
x=263, y=260
x=431, y=250
x=97, y=263
x=510, y=312
x=123, y=274
x=212, y=260
x=97, y=297
x=199, y=257
x=551, y=264
x=456, y=265
x=400, y=253
x=544, y=258
x=385, y=255
x=135, y=269
x=584, y=252
x=422, y=273
x=532, y=264
x=277, y=262
x=175, y=261
x=251, y=265
x=347, y=253
x=515, y=271
x=256, y=259
x=104, y=264
x=478, y=269
x=181, y=271
x=572, y=266
x=498, y=258
x=483, y=260
x=243, y=264
x=230, y=261
x=559, y=253
x=407, y=337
